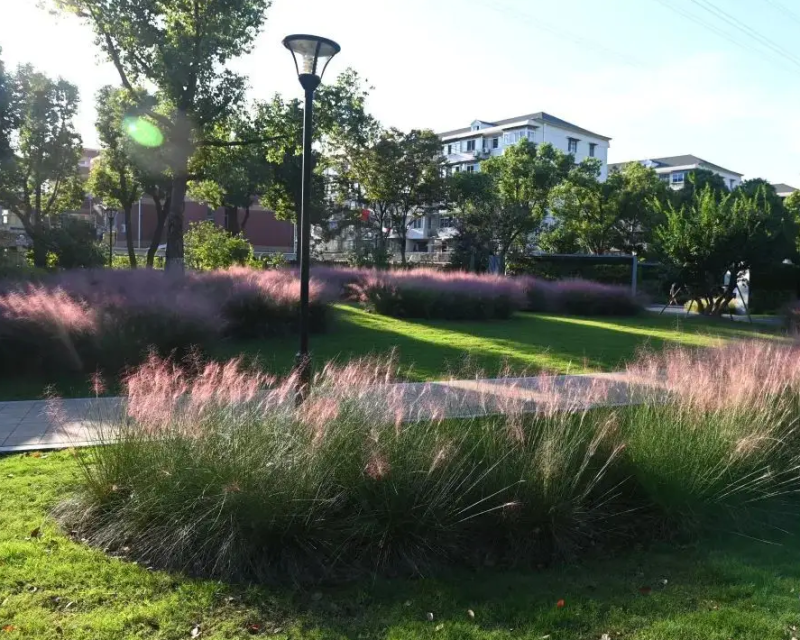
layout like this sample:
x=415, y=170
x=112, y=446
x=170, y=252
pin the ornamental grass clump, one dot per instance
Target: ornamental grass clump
x=724, y=439
x=218, y=472
x=82, y=321
x=579, y=298
x=426, y=293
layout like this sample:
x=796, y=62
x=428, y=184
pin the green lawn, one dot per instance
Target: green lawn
x=54, y=587
x=527, y=342
x=434, y=349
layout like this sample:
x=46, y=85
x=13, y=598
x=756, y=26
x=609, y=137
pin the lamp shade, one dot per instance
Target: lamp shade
x=311, y=53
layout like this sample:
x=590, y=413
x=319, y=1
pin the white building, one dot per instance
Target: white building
x=675, y=169
x=430, y=234
x=466, y=147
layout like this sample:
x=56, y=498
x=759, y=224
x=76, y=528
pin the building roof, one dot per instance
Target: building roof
x=541, y=116
x=679, y=161
x=781, y=188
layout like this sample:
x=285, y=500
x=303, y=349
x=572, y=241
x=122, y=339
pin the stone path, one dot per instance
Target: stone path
x=37, y=424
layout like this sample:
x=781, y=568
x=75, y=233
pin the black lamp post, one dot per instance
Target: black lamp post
x=311, y=57
x=111, y=214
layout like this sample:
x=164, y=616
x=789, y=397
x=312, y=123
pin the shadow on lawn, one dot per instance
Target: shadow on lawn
x=736, y=588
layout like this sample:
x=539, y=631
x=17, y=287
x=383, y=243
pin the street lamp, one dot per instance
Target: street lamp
x=111, y=214
x=311, y=56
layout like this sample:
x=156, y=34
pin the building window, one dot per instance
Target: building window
x=592, y=148
x=445, y=222
x=449, y=149
x=733, y=184
x=470, y=168
x=457, y=170
x=470, y=145
x=495, y=143
x=677, y=177
x=416, y=223
x=572, y=145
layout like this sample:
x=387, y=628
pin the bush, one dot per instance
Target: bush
x=72, y=244
x=424, y=293
x=81, y=320
x=579, y=298
x=208, y=246
x=221, y=474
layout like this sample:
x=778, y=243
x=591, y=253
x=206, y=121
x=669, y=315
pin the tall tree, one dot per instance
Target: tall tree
x=419, y=183
x=638, y=190
x=184, y=49
x=341, y=125
x=792, y=206
x=113, y=178
x=523, y=179
x=232, y=177
x=9, y=115
x=597, y=216
x=586, y=207
x=41, y=180
x=713, y=236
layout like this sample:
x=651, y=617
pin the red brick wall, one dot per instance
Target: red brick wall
x=262, y=230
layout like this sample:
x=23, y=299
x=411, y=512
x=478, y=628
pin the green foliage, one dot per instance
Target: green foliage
x=597, y=217
x=72, y=244
x=210, y=247
x=792, y=206
x=184, y=50
x=40, y=176
x=508, y=199
x=374, y=257
x=718, y=234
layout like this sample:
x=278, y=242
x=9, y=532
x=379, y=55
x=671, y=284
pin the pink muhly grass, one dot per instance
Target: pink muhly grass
x=741, y=376
x=162, y=394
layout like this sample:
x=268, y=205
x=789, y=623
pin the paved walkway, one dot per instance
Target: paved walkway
x=675, y=310
x=38, y=424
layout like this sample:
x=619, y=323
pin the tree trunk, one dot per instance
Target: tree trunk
x=246, y=217
x=129, y=237
x=39, y=249
x=402, y=250
x=161, y=218
x=174, y=260
x=232, y=220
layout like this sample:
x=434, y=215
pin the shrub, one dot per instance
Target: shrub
x=424, y=293
x=221, y=473
x=208, y=246
x=579, y=297
x=81, y=320
x=261, y=303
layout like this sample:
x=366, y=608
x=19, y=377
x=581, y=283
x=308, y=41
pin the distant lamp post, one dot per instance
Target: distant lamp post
x=111, y=214
x=311, y=57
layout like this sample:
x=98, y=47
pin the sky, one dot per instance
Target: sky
x=713, y=78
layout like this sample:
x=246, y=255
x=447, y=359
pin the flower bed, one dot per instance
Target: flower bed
x=221, y=474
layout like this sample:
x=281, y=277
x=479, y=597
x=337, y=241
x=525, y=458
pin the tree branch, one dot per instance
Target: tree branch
x=238, y=143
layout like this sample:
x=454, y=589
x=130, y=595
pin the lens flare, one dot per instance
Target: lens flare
x=143, y=132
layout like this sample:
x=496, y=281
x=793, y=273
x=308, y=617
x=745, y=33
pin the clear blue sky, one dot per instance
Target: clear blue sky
x=655, y=81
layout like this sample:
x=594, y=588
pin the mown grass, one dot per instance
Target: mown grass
x=434, y=349
x=53, y=587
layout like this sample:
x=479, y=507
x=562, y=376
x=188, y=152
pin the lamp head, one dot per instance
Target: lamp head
x=311, y=56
